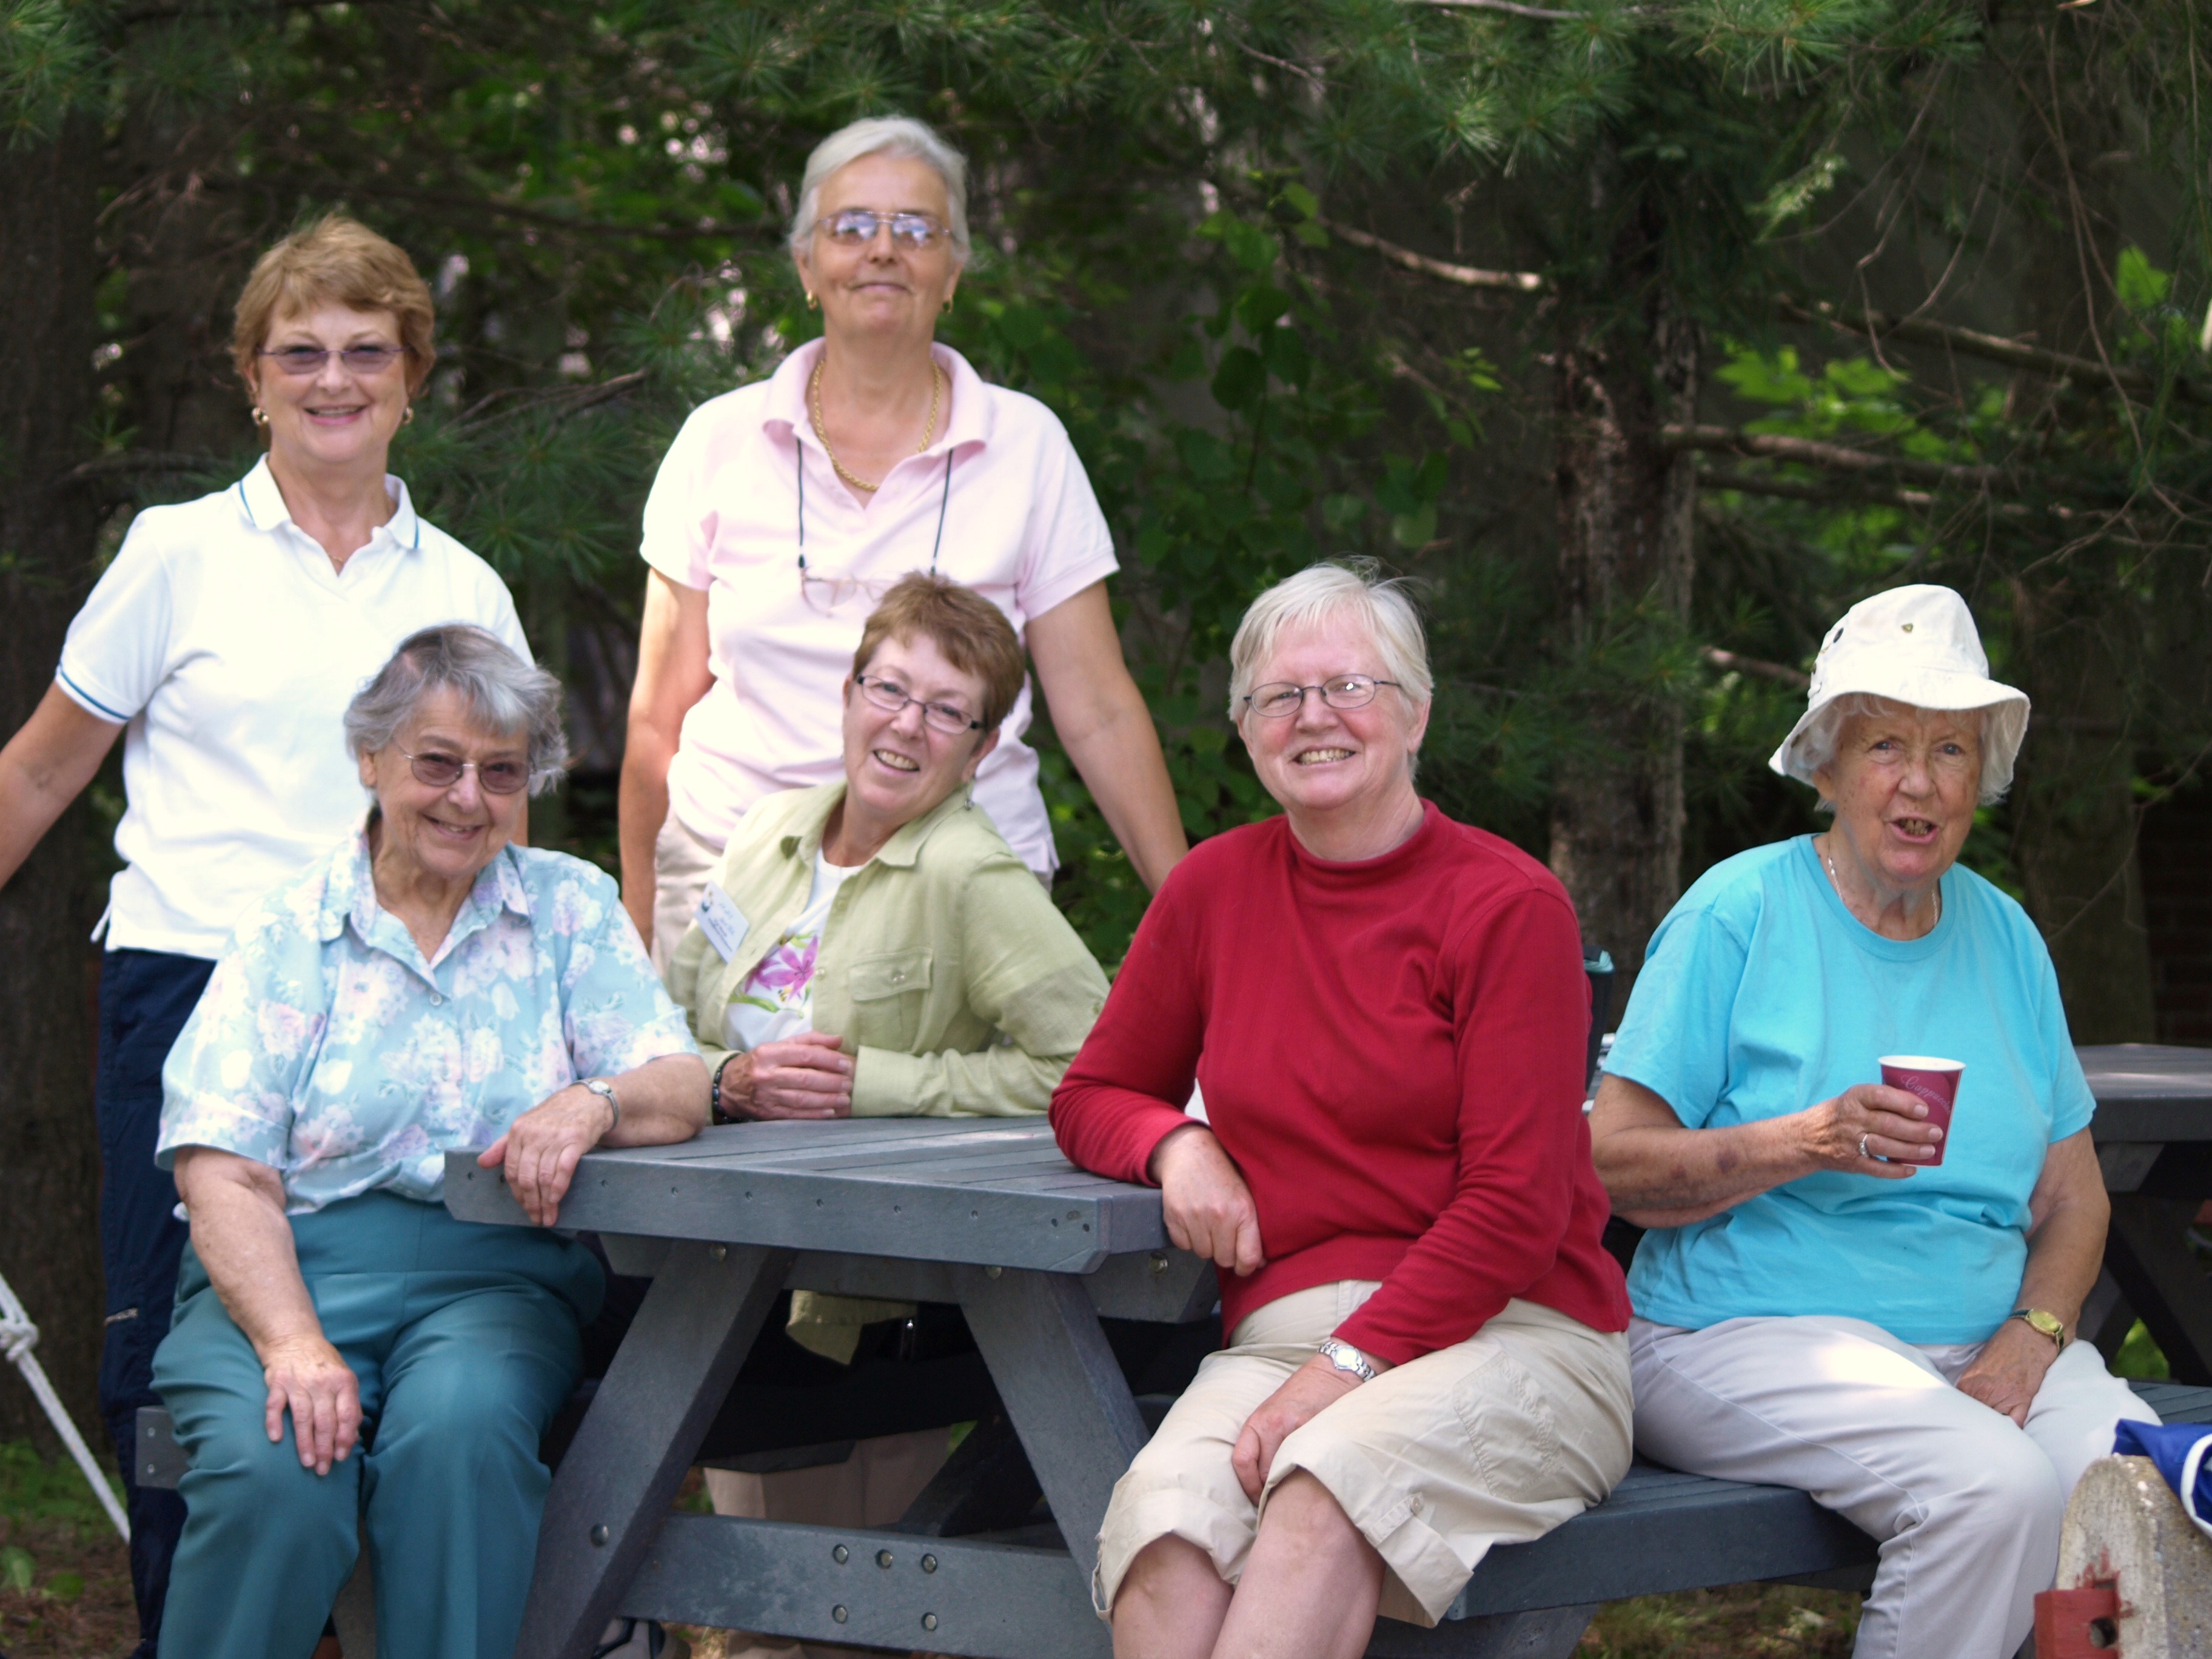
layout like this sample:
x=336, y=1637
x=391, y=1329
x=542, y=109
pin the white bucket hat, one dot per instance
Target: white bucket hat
x=1914, y=645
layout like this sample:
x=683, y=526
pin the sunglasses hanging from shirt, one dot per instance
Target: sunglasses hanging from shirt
x=823, y=594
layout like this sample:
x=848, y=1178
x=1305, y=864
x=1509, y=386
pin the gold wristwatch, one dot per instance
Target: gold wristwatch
x=2042, y=1324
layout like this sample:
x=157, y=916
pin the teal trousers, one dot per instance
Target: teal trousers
x=465, y=1338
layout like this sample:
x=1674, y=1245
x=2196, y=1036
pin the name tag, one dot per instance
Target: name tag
x=725, y=925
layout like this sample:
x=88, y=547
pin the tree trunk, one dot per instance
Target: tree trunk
x=2074, y=812
x=1625, y=515
x=2079, y=629
x=49, y=1153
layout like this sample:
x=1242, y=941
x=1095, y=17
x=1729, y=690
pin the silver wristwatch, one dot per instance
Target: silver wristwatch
x=1346, y=1357
x=605, y=1091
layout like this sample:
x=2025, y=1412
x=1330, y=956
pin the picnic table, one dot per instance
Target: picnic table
x=986, y=1214
x=2153, y=1138
x=989, y=1215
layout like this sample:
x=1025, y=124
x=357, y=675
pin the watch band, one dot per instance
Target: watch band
x=1346, y=1357
x=605, y=1090
x=2042, y=1324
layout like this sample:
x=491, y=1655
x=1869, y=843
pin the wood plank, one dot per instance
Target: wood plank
x=622, y=1471
x=1056, y=1231
x=2147, y=1253
x=1064, y=1391
x=2149, y=1091
x=946, y=1595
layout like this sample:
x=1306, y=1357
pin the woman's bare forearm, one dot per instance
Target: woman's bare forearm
x=1687, y=1175
x=663, y=1101
x=244, y=1241
x=45, y=767
x=2070, y=1213
x=1121, y=763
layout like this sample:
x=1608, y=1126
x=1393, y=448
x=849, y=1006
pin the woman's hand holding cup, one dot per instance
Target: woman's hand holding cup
x=1872, y=1129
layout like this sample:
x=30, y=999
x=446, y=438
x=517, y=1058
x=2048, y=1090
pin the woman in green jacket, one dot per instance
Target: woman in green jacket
x=873, y=948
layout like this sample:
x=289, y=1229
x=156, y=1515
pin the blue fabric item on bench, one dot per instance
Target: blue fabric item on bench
x=2183, y=1452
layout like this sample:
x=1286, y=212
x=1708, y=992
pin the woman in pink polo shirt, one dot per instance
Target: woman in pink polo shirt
x=785, y=510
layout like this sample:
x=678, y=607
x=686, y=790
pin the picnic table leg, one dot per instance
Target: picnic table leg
x=1063, y=1390
x=2148, y=1252
x=621, y=1473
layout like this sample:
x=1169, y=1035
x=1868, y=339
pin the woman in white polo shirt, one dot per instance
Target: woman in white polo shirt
x=786, y=508
x=224, y=642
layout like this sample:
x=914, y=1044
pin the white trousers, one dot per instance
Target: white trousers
x=1965, y=1506
x=681, y=861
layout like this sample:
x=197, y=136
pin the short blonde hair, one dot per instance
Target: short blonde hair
x=974, y=635
x=1321, y=591
x=885, y=134
x=337, y=260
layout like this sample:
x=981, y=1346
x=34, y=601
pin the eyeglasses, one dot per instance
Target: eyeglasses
x=856, y=226
x=499, y=777
x=305, y=359
x=1280, y=699
x=892, y=698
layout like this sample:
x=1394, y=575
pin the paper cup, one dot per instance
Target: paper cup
x=1936, y=1082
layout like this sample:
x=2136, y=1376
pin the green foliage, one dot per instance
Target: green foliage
x=602, y=195
x=32, y=1489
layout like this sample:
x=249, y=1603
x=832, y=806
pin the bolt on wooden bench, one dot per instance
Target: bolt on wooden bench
x=989, y=1217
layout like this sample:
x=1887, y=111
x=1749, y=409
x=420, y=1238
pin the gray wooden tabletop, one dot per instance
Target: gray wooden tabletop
x=2149, y=1091
x=988, y=1192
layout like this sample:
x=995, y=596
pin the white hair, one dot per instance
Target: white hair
x=885, y=134
x=502, y=691
x=1815, y=747
x=1318, y=591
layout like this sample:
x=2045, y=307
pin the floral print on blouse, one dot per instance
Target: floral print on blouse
x=328, y=1049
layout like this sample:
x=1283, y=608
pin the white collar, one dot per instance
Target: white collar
x=262, y=504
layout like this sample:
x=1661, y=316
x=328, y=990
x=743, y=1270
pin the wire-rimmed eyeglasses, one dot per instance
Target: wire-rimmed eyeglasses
x=1280, y=699
x=892, y=698
x=499, y=777
x=305, y=359
x=856, y=226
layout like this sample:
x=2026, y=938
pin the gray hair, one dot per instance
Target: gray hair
x=1321, y=591
x=1815, y=747
x=503, y=692
x=885, y=134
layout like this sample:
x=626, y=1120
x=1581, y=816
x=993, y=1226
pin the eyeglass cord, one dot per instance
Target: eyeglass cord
x=945, y=499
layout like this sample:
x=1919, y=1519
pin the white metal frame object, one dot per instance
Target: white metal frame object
x=18, y=1336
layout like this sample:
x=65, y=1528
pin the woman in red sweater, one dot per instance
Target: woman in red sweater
x=1387, y=1016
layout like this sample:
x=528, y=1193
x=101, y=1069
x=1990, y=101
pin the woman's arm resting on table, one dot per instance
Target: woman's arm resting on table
x=663, y=1101
x=671, y=676
x=2067, y=1216
x=1100, y=720
x=1662, y=1175
x=45, y=767
x=242, y=1238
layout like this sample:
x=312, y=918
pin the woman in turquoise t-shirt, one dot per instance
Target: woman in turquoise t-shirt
x=1821, y=1302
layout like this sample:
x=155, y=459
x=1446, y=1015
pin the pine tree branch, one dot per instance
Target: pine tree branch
x=1507, y=281
x=1511, y=7
x=1872, y=325
x=1995, y=348
x=1730, y=662
x=1798, y=489
x=1836, y=458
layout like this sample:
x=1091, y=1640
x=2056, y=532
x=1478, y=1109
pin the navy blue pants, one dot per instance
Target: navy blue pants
x=145, y=997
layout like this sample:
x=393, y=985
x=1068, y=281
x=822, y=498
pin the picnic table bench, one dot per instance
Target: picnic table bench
x=987, y=1215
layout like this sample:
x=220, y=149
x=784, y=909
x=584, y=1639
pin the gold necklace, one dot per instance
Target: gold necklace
x=928, y=432
x=1836, y=882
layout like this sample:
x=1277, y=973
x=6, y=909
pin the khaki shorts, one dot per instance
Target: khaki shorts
x=681, y=861
x=1494, y=1440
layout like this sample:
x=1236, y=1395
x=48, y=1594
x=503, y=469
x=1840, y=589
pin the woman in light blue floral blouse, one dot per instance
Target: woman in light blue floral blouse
x=429, y=986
